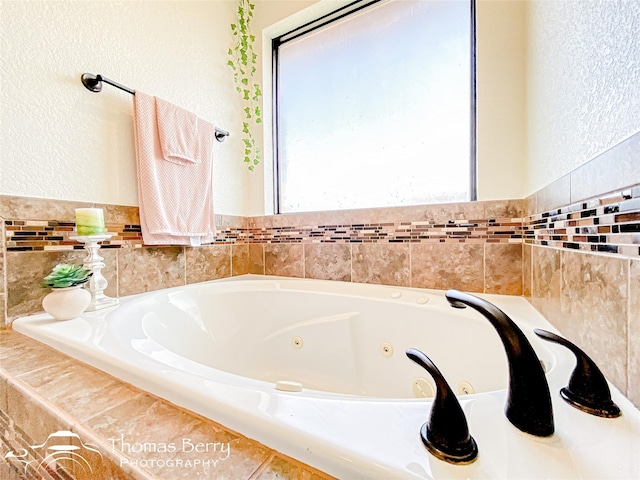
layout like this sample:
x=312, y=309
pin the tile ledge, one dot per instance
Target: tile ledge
x=12, y=380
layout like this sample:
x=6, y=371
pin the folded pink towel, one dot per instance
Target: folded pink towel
x=175, y=199
x=178, y=132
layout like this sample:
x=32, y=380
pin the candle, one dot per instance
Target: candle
x=90, y=221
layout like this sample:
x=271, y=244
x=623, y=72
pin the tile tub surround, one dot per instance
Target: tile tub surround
x=581, y=272
x=44, y=391
x=476, y=246
x=370, y=245
x=35, y=237
x=581, y=260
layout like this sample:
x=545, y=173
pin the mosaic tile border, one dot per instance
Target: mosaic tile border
x=609, y=223
x=35, y=235
x=53, y=235
x=500, y=230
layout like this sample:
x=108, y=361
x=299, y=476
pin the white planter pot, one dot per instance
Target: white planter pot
x=66, y=303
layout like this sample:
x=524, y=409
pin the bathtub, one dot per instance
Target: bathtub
x=317, y=370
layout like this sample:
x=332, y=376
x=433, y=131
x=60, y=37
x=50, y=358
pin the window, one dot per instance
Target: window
x=374, y=106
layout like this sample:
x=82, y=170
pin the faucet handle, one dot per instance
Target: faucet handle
x=587, y=390
x=446, y=434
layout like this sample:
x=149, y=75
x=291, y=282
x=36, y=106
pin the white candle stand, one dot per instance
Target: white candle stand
x=94, y=263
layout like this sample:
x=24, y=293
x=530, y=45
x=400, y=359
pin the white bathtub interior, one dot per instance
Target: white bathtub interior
x=322, y=341
x=219, y=348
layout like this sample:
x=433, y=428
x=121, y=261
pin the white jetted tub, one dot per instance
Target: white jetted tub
x=317, y=370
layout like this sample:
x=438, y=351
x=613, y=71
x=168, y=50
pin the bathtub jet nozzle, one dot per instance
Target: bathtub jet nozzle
x=446, y=434
x=528, y=405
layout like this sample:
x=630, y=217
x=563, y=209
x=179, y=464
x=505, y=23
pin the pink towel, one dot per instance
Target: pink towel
x=176, y=199
x=178, y=132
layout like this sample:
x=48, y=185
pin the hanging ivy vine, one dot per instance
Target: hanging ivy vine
x=244, y=62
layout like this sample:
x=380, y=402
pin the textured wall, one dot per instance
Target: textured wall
x=60, y=141
x=583, y=82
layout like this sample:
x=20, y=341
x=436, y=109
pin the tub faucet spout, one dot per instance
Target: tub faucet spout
x=528, y=405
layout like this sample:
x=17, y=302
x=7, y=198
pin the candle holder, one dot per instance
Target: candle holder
x=94, y=263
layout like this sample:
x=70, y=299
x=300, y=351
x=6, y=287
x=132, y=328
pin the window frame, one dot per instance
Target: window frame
x=338, y=14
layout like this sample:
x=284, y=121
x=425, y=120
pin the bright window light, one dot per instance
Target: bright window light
x=377, y=108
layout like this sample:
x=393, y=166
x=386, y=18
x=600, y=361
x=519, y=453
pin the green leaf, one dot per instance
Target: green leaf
x=243, y=63
x=66, y=275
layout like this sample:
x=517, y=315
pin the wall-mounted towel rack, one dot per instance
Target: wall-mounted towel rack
x=94, y=83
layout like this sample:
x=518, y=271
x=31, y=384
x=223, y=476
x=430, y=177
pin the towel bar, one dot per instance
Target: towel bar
x=94, y=83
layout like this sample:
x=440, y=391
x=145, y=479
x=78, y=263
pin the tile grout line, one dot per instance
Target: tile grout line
x=628, y=372
x=262, y=467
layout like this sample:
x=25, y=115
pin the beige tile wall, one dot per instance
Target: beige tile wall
x=586, y=297
x=472, y=265
x=3, y=279
x=593, y=300
x=633, y=332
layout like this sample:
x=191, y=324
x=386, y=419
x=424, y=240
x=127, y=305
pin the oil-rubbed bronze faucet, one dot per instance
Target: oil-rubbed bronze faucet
x=446, y=434
x=528, y=405
x=587, y=389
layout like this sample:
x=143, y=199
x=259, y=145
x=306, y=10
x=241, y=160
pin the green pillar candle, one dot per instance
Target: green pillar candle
x=90, y=221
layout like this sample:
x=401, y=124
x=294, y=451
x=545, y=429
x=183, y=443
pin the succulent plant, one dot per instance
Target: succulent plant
x=66, y=275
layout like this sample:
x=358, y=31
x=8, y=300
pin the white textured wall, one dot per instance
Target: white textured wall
x=583, y=82
x=58, y=140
